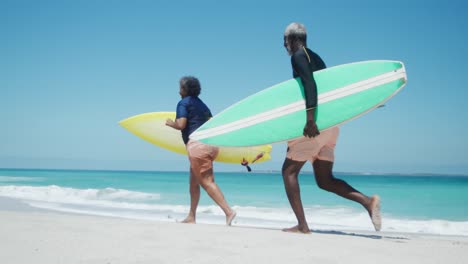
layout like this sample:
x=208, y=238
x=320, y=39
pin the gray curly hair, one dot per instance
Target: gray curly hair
x=191, y=85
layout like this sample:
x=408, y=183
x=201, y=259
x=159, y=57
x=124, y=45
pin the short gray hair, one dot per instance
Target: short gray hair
x=296, y=31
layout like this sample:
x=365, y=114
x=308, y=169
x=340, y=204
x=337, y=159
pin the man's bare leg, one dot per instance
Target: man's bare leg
x=326, y=181
x=290, y=172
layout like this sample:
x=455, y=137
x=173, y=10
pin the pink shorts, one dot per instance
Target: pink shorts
x=321, y=147
x=201, y=156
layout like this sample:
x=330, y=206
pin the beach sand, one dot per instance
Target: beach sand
x=38, y=236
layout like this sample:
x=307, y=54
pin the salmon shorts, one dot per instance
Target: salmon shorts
x=321, y=147
x=201, y=156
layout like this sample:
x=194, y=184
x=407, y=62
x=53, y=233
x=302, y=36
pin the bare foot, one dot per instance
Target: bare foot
x=230, y=217
x=188, y=220
x=374, y=212
x=297, y=229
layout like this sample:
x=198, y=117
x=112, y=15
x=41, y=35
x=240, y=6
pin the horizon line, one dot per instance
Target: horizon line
x=355, y=173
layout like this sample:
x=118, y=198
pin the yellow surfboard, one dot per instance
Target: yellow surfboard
x=152, y=128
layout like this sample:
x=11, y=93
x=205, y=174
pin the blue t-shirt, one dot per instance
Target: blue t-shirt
x=196, y=112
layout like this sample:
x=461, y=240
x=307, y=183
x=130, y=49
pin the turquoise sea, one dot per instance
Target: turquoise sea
x=425, y=204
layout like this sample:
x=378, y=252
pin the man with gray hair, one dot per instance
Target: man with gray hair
x=316, y=147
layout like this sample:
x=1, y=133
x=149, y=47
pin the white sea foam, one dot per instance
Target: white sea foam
x=58, y=194
x=4, y=178
x=140, y=205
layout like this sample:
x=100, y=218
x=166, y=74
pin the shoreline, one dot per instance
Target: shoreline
x=14, y=205
x=33, y=235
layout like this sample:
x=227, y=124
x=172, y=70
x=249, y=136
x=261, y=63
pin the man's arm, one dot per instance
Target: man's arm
x=301, y=64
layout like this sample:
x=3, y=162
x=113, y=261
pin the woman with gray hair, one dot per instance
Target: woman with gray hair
x=191, y=113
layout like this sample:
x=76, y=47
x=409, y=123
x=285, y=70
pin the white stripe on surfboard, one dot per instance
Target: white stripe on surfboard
x=362, y=86
x=299, y=105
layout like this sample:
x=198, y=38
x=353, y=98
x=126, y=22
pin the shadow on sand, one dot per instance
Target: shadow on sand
x=341, y=233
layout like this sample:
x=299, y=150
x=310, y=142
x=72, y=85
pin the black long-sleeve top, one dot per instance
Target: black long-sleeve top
x=304, y=63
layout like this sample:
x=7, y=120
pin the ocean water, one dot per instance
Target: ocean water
x=424, y=204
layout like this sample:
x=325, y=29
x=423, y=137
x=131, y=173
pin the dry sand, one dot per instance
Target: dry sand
x=35, y=236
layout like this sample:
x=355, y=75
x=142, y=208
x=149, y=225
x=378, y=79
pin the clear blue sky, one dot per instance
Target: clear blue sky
x=70, y=70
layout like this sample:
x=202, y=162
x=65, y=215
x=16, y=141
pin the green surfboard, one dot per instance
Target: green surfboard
x=278, y=113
